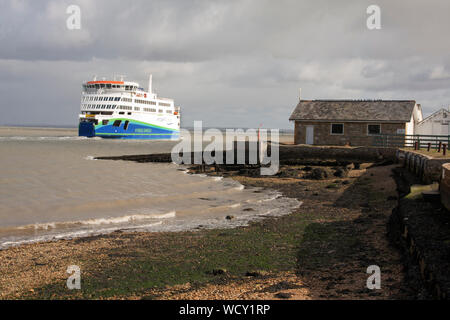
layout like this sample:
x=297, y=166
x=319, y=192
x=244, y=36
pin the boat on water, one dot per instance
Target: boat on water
x=124, y=110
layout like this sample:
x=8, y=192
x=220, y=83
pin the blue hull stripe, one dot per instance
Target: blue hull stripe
x=135, y=130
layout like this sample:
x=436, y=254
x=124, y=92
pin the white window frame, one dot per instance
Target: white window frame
x=337, y=134
x=373, y=124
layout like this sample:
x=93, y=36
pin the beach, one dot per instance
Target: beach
x=321, y=250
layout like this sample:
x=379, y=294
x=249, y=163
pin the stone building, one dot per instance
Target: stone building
x=352, y=122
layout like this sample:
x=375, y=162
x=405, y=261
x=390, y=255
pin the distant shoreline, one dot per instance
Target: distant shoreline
x=282, y=130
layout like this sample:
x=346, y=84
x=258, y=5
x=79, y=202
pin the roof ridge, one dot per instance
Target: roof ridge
x=362, y=100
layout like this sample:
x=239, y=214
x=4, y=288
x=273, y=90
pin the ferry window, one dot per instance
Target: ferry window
x=337, y=128
x=125, y=126
x=111, y=98
x=121, y=112
x=105, y=122
x=136, y=108
x=108, y=86
x=117, y=123
x=373, y=129
x=168, y=111
x=160, y=110
x=117, y=99
x=129, y=113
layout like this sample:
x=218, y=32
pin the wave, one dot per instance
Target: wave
x=99, y=221
x=75, y=234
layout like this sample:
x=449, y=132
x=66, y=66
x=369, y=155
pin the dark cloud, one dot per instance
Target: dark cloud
x=230, y=63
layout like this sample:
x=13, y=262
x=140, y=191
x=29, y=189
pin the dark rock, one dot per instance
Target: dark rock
x=229, y=217
x=219, y=271
x=364, y=205
x=341, y=173
x=256, y=273
x=283, y=295
x=317, y=174
x=288, y=173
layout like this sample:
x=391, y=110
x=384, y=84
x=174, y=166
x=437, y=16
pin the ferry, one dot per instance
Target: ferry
x=124, y=110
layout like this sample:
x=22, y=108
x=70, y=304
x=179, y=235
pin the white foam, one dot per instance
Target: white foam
x=129, y=218
x=76, y=234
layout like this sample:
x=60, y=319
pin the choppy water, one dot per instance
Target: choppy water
x=51, y=188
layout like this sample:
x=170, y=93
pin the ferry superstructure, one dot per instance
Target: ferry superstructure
x=122, y=109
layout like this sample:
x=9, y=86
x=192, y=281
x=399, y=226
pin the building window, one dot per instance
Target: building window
x=337, y=128
x=373, y=129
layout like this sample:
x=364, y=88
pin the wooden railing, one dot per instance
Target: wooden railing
x=411, y=141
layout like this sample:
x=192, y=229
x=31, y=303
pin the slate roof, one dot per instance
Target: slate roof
x=354, y=110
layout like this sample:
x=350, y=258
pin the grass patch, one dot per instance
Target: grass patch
x=178, y=258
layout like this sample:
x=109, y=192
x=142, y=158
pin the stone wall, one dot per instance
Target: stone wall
x=445, y=186
x=428, y=169
x=355, y=133
x=290, y=154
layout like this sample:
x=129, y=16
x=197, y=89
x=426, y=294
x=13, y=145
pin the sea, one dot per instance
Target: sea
x=51, y=187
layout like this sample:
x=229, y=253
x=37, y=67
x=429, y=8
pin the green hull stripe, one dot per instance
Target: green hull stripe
x=135, y=121
x=136, y=134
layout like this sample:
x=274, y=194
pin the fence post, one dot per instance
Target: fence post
x=444, y=147
x=429, y=146
x=439, y=146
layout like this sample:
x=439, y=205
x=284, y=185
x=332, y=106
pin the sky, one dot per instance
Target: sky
x=227, y=63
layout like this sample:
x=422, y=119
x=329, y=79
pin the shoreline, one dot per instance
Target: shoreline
x=172, y=265
x=198, y=224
